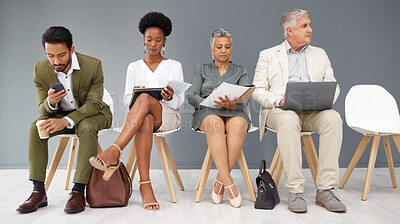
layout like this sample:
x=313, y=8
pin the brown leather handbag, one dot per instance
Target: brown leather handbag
x=113, y=193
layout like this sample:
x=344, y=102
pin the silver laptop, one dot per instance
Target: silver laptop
x=309, y=95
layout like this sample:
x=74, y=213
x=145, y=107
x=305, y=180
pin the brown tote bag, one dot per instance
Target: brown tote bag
x=113, y=193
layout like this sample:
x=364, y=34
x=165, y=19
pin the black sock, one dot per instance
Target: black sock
x=79, y=187
x=38, y=186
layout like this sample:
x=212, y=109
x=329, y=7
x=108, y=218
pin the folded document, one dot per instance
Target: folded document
x=242, y=93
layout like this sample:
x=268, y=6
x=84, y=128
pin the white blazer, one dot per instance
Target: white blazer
x=272, y=74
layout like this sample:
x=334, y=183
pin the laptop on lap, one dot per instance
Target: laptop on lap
x=302, y=96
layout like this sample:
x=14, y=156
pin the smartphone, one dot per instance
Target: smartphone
x=57, y=87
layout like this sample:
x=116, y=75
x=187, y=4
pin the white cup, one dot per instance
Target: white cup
x=42, y=134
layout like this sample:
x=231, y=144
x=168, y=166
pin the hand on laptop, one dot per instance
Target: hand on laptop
x=282, y=103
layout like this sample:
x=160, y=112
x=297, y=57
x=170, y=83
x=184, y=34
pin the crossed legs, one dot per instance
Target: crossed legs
x=144, y=117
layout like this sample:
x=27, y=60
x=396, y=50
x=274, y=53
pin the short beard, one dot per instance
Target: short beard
x=69, y=62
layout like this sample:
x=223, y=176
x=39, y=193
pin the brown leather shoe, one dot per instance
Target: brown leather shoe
x=76, y=202
x=35, y=201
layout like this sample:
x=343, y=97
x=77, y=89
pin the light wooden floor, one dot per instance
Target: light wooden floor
x=382, y=206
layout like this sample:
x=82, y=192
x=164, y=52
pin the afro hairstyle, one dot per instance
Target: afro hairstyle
x=155, y=19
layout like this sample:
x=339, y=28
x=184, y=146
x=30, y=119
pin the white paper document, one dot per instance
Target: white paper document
x=179, y=86
x=230, y=90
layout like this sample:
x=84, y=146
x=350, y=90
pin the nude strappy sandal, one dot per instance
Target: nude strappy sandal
x=108, y=170
x=145, y=206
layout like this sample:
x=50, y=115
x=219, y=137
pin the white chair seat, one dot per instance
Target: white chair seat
x=159, y=134
x=101, y=132
x=301, y=133
x=251, y=129
x=383, y=128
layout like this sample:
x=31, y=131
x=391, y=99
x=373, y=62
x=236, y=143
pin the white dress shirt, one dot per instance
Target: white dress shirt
x=68, y=102
x=139, y=74
x=297, y=66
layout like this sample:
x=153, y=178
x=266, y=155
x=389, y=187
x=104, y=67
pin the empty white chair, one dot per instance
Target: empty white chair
x=372, y=111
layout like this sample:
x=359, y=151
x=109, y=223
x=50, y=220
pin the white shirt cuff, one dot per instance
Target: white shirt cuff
x=71, y=122
x=276, y=103
x=173, y=102
x=51, y=108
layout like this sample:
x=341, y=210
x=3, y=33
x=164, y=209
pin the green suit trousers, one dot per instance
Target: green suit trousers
x=86, y=130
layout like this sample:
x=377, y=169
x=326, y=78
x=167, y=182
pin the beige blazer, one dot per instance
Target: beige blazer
x=272, y=74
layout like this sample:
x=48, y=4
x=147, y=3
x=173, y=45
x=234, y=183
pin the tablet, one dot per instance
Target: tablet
x=154, y=92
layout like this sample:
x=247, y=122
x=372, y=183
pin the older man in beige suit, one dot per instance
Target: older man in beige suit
x=296, y=61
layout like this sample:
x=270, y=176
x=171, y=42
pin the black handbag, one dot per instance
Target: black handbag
x=267, y=193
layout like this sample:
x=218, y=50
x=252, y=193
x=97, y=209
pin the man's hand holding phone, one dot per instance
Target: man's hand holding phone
x=56, y=93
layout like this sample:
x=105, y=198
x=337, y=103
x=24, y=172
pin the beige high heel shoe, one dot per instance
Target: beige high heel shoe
x=108, y=170
x=145, y=206
x=217, y=198
x=236, y=201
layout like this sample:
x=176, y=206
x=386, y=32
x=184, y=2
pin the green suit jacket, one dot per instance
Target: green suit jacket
x=87, y=87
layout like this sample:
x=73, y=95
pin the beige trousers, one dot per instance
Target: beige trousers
x=288, y=125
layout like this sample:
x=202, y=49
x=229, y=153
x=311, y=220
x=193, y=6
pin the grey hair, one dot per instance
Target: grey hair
x=289, y=19
x=219, y=33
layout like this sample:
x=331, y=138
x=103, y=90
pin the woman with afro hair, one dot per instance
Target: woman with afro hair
x=147, y=115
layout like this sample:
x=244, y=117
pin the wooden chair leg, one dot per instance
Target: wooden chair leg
x=131, y=162
x=311, y=155
x=56, y=160
x=357, y=155
x=165, y=167
x=246, y=175
x=70, y=162
x=278, y=172
x=274, y=162
x=389, y=160
x=371, y=165
x=172, y=165
x=203, y=169
x=396, y=139
x=203, y=179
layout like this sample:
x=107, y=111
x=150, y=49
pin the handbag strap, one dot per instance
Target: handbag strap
x=263, y=166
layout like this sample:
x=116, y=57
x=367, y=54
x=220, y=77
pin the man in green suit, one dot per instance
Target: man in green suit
x=76, y=109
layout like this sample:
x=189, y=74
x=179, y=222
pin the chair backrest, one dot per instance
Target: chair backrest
x=248, y=112
x=370, y=109
x=108, y=100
